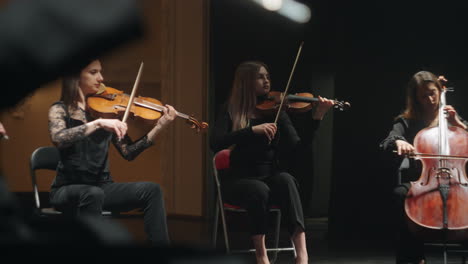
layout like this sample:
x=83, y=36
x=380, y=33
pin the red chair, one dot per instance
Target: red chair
x=221, y=164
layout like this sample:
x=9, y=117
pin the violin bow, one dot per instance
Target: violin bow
x=289, y=81
x=132, y=96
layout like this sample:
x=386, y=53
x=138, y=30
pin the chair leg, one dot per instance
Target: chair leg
x=445, y=254
x=294, y=249
x=214, y=233
x=277, y=235
x=223, y=220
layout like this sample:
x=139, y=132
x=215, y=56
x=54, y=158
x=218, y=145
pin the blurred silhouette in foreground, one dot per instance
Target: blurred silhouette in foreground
x=44, y=39
x=41, y=41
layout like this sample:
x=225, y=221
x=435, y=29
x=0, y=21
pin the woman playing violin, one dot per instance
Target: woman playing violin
x=256, y=179
x=83, y=184
x=422, y=105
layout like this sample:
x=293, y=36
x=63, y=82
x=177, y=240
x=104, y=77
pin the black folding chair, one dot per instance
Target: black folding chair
x=45, y=158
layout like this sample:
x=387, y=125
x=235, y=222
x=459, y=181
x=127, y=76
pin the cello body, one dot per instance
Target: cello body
x=437, y=203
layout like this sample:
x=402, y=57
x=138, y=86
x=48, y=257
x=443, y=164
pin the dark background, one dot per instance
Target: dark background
x=372, y=49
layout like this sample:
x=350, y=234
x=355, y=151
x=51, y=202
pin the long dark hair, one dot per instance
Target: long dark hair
x=413, y=108
x=71, y=85
x=70, y=93
x=242, y=100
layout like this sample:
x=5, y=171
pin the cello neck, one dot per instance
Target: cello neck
x=444, y=148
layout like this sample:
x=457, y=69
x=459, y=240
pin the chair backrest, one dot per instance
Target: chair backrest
x=220, y=162
x=404, y=165
x=221, y=159
x=46, y=157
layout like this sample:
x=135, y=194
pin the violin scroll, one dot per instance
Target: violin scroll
x=197, y=125
x=341, y=105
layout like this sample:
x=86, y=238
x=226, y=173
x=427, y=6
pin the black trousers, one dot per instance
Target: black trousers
x=117, y=197
x=409, y=249
x=257, y=195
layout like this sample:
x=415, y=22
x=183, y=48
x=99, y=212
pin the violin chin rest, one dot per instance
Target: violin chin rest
x=102, y=88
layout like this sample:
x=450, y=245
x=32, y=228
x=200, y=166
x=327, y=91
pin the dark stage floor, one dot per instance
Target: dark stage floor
x=194, y=233
x=192, y=243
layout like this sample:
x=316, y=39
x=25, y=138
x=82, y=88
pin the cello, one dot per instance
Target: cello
x=436, y=205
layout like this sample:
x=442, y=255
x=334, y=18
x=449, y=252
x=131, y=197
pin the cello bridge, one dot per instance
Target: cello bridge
x=444, y=173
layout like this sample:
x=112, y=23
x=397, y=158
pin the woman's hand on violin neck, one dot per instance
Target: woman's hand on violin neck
x=169, y=114
x=112, y=125
x=452, y=117
x=267, y=129
x=323, y=105
x=403, y=147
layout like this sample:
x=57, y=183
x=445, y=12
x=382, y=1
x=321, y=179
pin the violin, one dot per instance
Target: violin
x=295, y=103
x=109, y=102
x=276, y=101
x=437, y=203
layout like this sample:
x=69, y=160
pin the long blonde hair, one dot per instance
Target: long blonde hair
x=413, y=108
x=242, y=101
